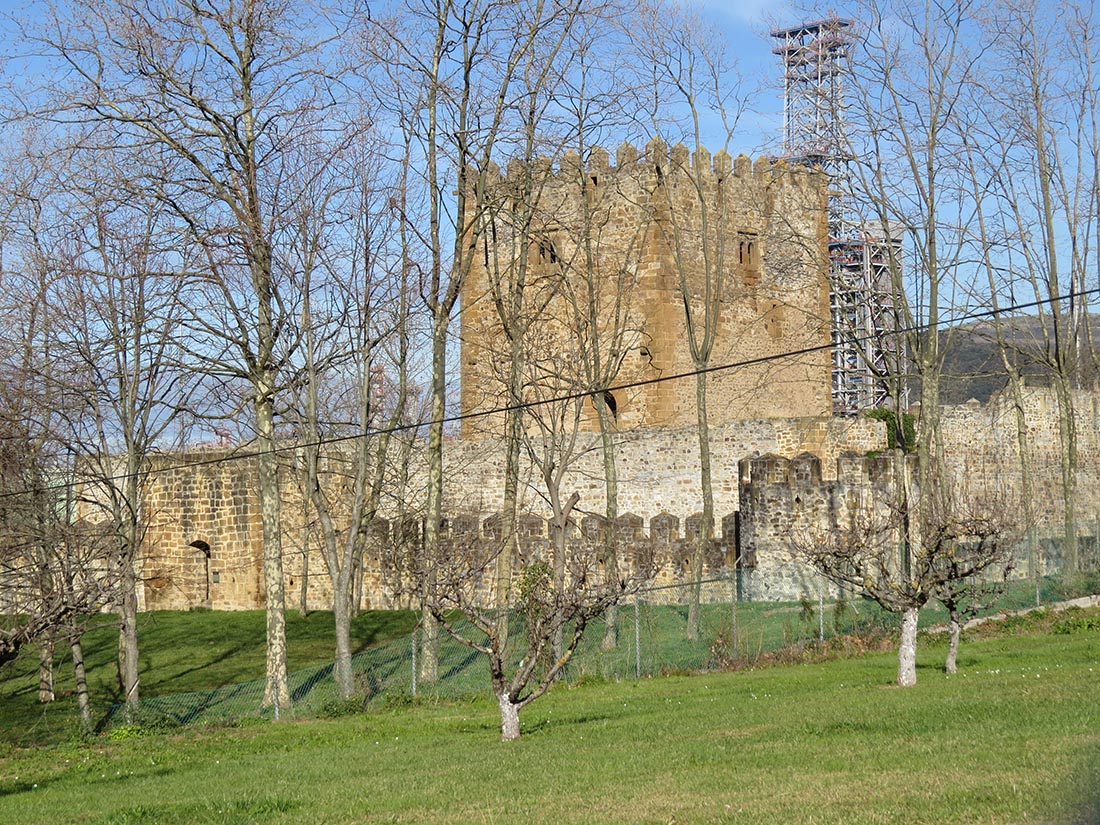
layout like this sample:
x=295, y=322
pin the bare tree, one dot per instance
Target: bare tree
x=887, y=549
x=598, y=261
x=984, y=168
x=49, y=581
x=964, y=596
x=692, y=71
x=561, y=581
x=353, y=390
x=453, y=71
x=554, y=604
x=221, y=91
x=54, y=570
x=112, y=283
x=599, y=275
x=1039, y=83
x=913, y=69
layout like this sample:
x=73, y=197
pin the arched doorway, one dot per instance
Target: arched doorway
x=204, y=548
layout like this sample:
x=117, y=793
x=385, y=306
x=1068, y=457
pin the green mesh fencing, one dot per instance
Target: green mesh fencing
x=649, y=639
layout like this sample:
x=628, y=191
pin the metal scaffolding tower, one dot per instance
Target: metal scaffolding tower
x=862, y=263
x=815, y=57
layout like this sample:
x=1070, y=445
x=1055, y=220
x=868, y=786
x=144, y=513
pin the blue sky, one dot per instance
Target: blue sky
x=745, y=24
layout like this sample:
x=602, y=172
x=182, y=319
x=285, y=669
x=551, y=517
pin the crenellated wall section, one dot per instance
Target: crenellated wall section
x=215, y=507
x=773, y=478
x=784, y=497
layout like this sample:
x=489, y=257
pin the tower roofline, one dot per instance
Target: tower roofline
x=811, y=26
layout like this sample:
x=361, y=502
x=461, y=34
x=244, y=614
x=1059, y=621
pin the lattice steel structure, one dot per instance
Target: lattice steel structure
x=815, y=58
x=864, y=320
x=815, y=61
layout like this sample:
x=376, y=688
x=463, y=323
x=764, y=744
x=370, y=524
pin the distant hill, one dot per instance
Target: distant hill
x=973, y=366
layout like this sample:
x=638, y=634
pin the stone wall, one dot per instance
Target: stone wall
x=203, y=545
x=659, y=558
x=982, y=443
x=215, y=505
x=782, y=497
x=776, y=473
x=658, y=469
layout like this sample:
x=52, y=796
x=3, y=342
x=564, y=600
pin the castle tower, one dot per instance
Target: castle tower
x=606, y=256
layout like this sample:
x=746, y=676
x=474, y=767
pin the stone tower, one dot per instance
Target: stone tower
x=593, y=264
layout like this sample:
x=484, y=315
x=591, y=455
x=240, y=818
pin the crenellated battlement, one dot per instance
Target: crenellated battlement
x=203, y=545
x=656, y=160
x=471, y=544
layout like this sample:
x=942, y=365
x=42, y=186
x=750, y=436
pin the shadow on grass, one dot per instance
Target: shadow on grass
x=15, y=788
x=154, y=688
x=1082, y=805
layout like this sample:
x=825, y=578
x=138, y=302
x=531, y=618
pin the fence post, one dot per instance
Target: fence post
x=821, y=609
x=414, y=662
x=1036, y=559
x=733, y=615
x=637, y=642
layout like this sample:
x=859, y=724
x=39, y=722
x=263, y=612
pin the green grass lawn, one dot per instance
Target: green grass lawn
x=180, y=651
x=202, y=666
x=1013, y=738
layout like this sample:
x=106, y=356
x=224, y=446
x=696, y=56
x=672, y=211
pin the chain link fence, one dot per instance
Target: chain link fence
x=648, y=637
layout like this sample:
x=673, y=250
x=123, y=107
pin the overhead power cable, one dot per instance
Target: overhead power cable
x=246, y=454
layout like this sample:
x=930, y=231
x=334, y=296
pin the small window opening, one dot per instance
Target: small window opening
x=748, y=250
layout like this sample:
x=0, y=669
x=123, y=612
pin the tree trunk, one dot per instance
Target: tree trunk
x=1061, y=357
x=127, y=638
x=130, y=531
x=509, y=718
x=303, y=592
x=341, y=608
x=513, y=434
x=951, y=665
x=429, y=640
x=706, y=528
x=428, y=670
x=45, y=672
x=1068, y=442
x=1034, y=559
x=80, y=678
x=907, y=648
x=611, y=514
x=276, y=691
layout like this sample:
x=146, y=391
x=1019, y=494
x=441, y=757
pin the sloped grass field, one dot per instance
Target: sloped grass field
x=179, y=651
x=1013, y=738
x=202, y=667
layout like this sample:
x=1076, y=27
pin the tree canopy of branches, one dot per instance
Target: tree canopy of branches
x=902, y=549
x=220, y=94
x=54, y=571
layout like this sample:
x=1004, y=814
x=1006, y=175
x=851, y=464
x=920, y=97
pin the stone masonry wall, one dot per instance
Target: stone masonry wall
x=982, y=442
x=777, y=473
x=646, y=221
x=203, y=545
x=658, y=469
x=781, y=496
x=215, y=505
x=786, y=498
